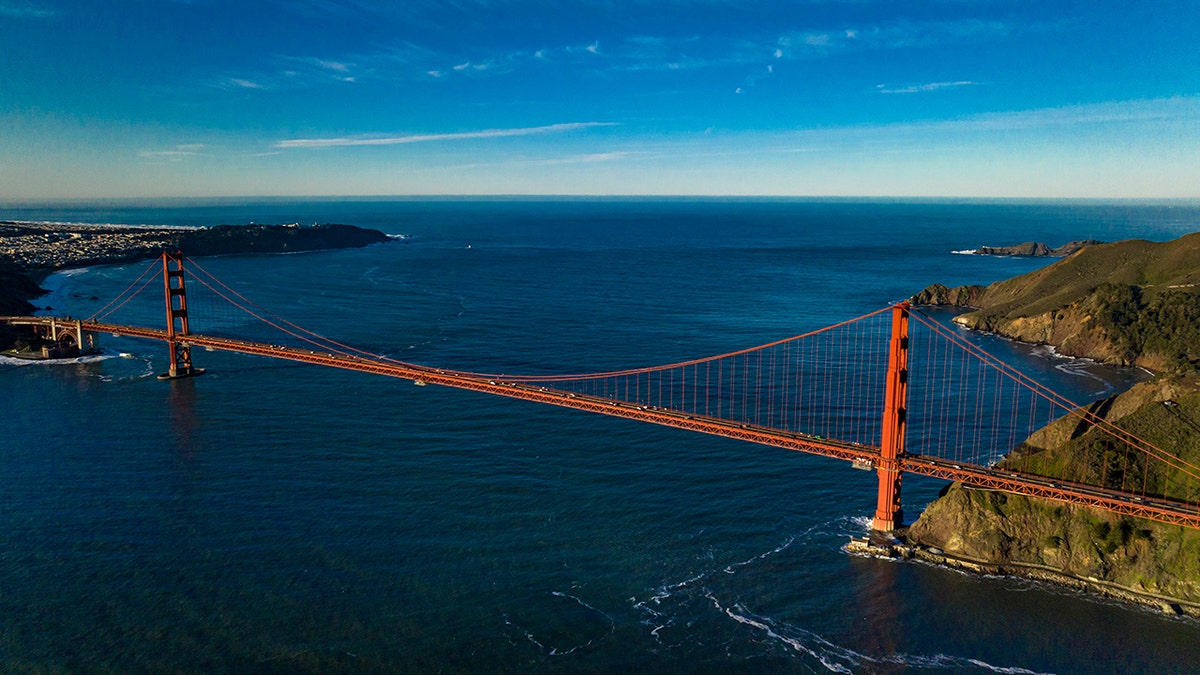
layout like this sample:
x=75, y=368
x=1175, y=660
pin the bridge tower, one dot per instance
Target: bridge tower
x=888, y=514
x=177, y=319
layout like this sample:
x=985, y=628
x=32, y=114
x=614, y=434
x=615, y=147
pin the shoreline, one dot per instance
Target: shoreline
x=900, y=549
x=34, y=252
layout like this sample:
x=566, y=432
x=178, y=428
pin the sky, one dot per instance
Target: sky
x=889, y=98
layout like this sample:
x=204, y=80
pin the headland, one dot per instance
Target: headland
x=29, y=251
x=1131, y=303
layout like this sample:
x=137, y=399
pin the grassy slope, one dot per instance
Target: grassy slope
x=1151, y=265
x=1140, y=555
x=1072, y=303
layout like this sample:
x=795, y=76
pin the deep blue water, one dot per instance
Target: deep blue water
x=272, y=517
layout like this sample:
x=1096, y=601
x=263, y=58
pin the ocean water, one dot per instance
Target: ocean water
x=275, y=517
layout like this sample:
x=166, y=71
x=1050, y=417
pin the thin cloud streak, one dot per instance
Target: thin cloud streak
x=428, y=138
x=921, y=88
x=22, y=10
x=1135, y=115
x=180, y=152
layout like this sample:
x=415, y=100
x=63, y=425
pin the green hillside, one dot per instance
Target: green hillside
x=1129, y=303
x=1153, y=267
x=1140, y=556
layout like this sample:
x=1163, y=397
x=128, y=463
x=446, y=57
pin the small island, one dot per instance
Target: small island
x=1131, y=303
x=1035, y=249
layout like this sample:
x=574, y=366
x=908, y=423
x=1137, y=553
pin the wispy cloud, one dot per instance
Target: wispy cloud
x=429, y=138
x=1180, y=109
x=177, y=154
x=896, y=35
x=638, y=52
x=292, y=72
x=24, y=10
x=643, y=52
x=244, y=84
x=920, y=88
x=1135, y=118
x=589, y=158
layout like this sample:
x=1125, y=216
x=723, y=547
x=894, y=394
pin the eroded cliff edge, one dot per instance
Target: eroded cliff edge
x=1128, y=303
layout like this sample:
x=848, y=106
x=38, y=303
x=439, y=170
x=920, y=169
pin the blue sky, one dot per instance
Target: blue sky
x=151, y=98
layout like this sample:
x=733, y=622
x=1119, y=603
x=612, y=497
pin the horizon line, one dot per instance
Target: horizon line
x=517, y=196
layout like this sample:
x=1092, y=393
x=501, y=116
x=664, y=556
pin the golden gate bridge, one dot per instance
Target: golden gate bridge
x=892, y=391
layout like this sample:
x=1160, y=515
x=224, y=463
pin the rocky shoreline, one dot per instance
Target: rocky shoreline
x=29, y=251
x=903, y=550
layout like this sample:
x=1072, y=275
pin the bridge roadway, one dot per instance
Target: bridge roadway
x=863, y=456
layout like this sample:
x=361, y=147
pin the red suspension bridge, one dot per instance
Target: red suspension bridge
x=892, y=391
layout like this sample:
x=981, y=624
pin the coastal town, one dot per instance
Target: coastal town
x=50, y=246
x=30, y=250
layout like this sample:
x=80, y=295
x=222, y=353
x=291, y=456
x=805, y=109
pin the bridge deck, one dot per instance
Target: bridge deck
x=1161, y=510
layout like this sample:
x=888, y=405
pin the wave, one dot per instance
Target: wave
x=563, y=651
x=671, y=611
x=966, y=251
x=90, y=358
x=117, y=373
x=840, y=659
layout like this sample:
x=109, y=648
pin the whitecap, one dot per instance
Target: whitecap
x=839, y=659
x=90, y=358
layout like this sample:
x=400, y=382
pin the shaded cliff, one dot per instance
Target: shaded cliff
x=17, y=288
x=1030, y=536
x=1126, y=303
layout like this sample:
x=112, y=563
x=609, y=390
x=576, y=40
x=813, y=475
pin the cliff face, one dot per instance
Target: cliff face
x=1142, y=556
x=16, y=290
x=961, y=296
x=1126, y=303
x=1013, y=532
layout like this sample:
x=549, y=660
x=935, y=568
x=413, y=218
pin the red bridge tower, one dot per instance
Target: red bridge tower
x=177, y=319
x=888, y=514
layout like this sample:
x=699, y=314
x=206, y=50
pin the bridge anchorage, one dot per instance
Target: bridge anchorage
x=64, y=338
x=175, y=293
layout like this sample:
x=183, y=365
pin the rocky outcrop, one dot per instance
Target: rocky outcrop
x=960, y=296
x=1036, y=249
